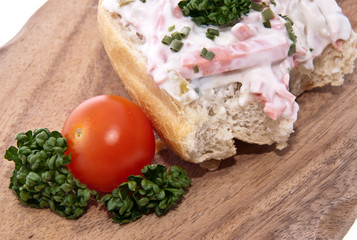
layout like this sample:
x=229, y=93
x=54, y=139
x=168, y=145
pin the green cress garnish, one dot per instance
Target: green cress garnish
x=41, y=178
x=158, y=191
x=215, y=12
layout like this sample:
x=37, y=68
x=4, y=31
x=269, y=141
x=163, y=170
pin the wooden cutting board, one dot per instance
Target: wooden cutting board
x=307, y=191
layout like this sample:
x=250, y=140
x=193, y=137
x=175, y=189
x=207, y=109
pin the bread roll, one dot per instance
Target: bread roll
x=204, y=128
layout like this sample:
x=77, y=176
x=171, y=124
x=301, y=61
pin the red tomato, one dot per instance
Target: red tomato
x=109, y=138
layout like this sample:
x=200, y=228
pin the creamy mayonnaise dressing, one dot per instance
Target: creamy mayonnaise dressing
x=248, y=52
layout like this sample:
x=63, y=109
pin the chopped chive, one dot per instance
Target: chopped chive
x=286, y=18
x=166, y=40
x=207, y=54
x=273, y=2
x=288, y=26
x=292, y=36
x=289, y=29
x=268, y=14
x=123, y=3
x=171, y=28
x=176, y=35
x=196, y=69
x=257, y=7
x=185, y=31
x=203, y=52
x=292, y=49
x=210, y=55
x=176, y=45
x=213, y=31
x=267, y=24
x=210, y=36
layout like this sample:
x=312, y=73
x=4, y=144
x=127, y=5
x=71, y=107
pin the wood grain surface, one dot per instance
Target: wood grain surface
x=307, y=191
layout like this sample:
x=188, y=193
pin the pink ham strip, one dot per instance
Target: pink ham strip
x=243, y=31
x=273, y=112
x=241, y=55
x=281, y=100
x=338, y=44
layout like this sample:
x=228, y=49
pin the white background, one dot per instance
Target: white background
x=15, y=13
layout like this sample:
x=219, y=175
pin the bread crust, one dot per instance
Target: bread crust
x=166, y=116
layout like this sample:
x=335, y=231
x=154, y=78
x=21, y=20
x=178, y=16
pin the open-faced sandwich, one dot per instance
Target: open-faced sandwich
x=207, y=72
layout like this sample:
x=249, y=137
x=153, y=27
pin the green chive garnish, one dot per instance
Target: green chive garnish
x=210, y=55
x=267, y=24
x=212, y=33
x=166, y=40
x=123, y=3
x=171, y=28
x=257, y=7
x=185, y=31
x=289, y=29
x=207, y=54
x=268, y=14
x=210, y=36
x=176, y=45
x=196, y=69
x=176, y=35
x=292, y=49
x=203, y=52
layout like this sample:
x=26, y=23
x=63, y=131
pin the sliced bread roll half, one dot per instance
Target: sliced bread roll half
x=205, y=128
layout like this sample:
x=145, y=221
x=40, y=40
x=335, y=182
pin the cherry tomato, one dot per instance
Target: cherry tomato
x=109, y=138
